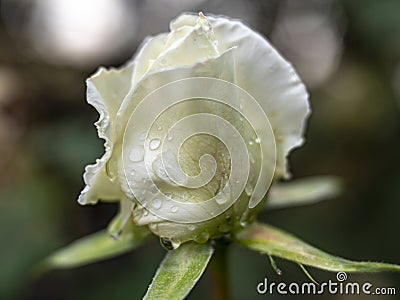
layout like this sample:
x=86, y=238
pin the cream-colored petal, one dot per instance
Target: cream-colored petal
x=148, y=51
x=268, y=77
x=105, y=91
x=174, y=49
x=220, y=67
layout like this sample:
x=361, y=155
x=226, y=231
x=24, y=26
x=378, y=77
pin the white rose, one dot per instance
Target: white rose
x=146, y=156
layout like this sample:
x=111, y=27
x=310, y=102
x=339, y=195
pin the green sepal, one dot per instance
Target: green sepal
x=179, y=271
x=92, y=248
x=275, y=242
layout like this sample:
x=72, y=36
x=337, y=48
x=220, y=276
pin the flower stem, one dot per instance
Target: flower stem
x=219, y=271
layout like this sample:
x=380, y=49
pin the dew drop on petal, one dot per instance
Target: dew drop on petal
x=243, y=223
x=156, y=203
x=154, y=144
x=170, y=136
x=220, y=198
x=137, y=154
x=166, y=243
x=248, y=189
x=174, y=209
x=202, y=237
x=169, y=244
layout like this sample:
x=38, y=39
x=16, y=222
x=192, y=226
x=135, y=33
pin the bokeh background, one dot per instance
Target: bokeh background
x=347, y=52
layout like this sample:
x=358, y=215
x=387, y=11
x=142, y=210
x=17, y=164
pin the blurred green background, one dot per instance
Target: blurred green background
x=347, y=52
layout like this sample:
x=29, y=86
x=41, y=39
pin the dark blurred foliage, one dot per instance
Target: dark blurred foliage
x=348, y=53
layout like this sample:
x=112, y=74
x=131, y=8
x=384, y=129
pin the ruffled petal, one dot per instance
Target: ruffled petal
x=105, y=91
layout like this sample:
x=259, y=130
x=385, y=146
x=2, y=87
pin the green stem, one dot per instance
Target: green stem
x=219, y=271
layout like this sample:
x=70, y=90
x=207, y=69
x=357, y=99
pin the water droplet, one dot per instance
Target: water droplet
x=237, y=181
x=248, y=189
x=159, y=127
x=191, y=227
x=169, y=244
x=133, y=172
x=202, y=237
x=251, y=142
x=257, y=140
x=137, y=154
x=241, y=106
x=220, y=198
x=156, y=203
x=170, y=136
x=174, y=209
x=166, y=243
x=145, y=213
x=243, y=223
x=154, y=144
x=175, y=244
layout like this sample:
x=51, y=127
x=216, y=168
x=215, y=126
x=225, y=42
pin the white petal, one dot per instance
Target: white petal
x=105, y=91
x=216, y=68
x=263, y=72
x=166, y=51
x=146, y=55
x=268, y=77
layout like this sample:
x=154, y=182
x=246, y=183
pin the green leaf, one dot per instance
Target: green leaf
x=92, y=248
x=275, y=242
x=179, y=271
x=303, y=191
